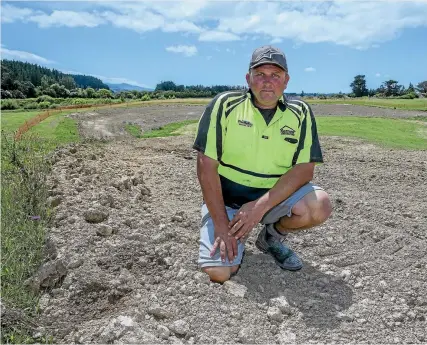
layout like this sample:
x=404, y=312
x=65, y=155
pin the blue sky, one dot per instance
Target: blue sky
x=210, y=42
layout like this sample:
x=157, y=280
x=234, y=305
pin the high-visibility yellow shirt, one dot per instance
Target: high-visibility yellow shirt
x=252, y=154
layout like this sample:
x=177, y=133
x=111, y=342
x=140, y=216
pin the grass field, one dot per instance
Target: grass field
x=56, y=130
x=165, y=131
x=408, y=104
x=11, y=120
x=393, y=133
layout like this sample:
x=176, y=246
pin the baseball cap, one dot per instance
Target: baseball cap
x=268, y=55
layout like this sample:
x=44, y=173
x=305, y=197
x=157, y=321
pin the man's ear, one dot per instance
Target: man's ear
x=248, y=78
x=287, y=77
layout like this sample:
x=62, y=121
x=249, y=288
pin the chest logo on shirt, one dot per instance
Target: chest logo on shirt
x=286, y=130
x=245, y=123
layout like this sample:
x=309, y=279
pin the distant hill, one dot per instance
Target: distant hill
x=15, y=73
x=126, y=87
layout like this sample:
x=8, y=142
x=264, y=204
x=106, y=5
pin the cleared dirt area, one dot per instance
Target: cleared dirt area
x=109, y=122
x=124, y=248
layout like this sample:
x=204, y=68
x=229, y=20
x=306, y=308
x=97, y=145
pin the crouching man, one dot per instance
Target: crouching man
x=257, y=152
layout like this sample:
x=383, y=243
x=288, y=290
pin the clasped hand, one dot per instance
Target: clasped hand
x=245, y=219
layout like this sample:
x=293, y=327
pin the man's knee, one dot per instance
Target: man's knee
x=316, y=206
x=220, y=274
x=322, y=208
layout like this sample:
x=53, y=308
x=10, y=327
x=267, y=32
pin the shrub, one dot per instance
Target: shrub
x=30, y=105
x=44, y=105
x=45, y=98
x=9, y=104
x=410, y=95
x=146, y=97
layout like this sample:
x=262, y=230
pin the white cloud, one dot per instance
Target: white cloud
x=67, y=18
x=10, y=14
x=23, y=56
x=184, y=26
x=357, y=24
x=182, y=49
x=309, y=69
x=218, y=36
x=276, y=40
x=146, y=22
x=378, y=74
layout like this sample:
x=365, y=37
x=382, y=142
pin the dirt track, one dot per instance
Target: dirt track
x=125, y=243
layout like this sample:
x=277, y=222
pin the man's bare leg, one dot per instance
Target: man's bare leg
x=313, y=209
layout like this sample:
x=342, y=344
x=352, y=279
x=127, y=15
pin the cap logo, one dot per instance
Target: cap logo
x=268, y=54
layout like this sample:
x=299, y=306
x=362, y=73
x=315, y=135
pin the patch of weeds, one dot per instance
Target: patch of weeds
x=133, y=130
x=25, y=216
x=167, y=130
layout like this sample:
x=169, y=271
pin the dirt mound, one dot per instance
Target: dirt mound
x=126, y=231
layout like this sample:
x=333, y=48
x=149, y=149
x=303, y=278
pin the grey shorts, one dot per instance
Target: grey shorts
x=207, y=230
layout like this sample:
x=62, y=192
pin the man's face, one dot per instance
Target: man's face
x=267, y=83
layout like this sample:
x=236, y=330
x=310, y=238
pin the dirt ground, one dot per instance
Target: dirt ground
x=124, y=247
x=107, y=123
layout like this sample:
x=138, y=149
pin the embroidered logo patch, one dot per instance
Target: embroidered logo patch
x=245, y=123
x=286, y=130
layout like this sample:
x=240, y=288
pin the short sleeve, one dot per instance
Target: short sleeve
x=209, y=130
x=308, y=150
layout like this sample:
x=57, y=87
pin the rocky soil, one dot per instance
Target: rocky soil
x=123, y=252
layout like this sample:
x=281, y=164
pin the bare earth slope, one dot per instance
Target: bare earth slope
x=125, y=246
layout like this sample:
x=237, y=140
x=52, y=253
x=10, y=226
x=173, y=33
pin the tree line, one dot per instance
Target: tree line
x=389, y=88
x=21, y=80
x=26, y=80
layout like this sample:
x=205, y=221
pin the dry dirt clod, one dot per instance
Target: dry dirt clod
x=281, y=303
x=49, y=275
x=235, y=289
x=104, y=230
x=159, y=312
x=274, y=314
x=180, y=327
x=95, y=216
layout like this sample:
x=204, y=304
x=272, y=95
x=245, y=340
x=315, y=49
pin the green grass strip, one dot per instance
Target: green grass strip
x=11, y=121
x=407, y=104
x=168, y=130
x=134, y=130
x=393, y=133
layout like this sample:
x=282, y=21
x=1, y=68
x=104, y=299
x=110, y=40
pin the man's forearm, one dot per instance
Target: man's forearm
x=288, y=184
x=207, y=173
